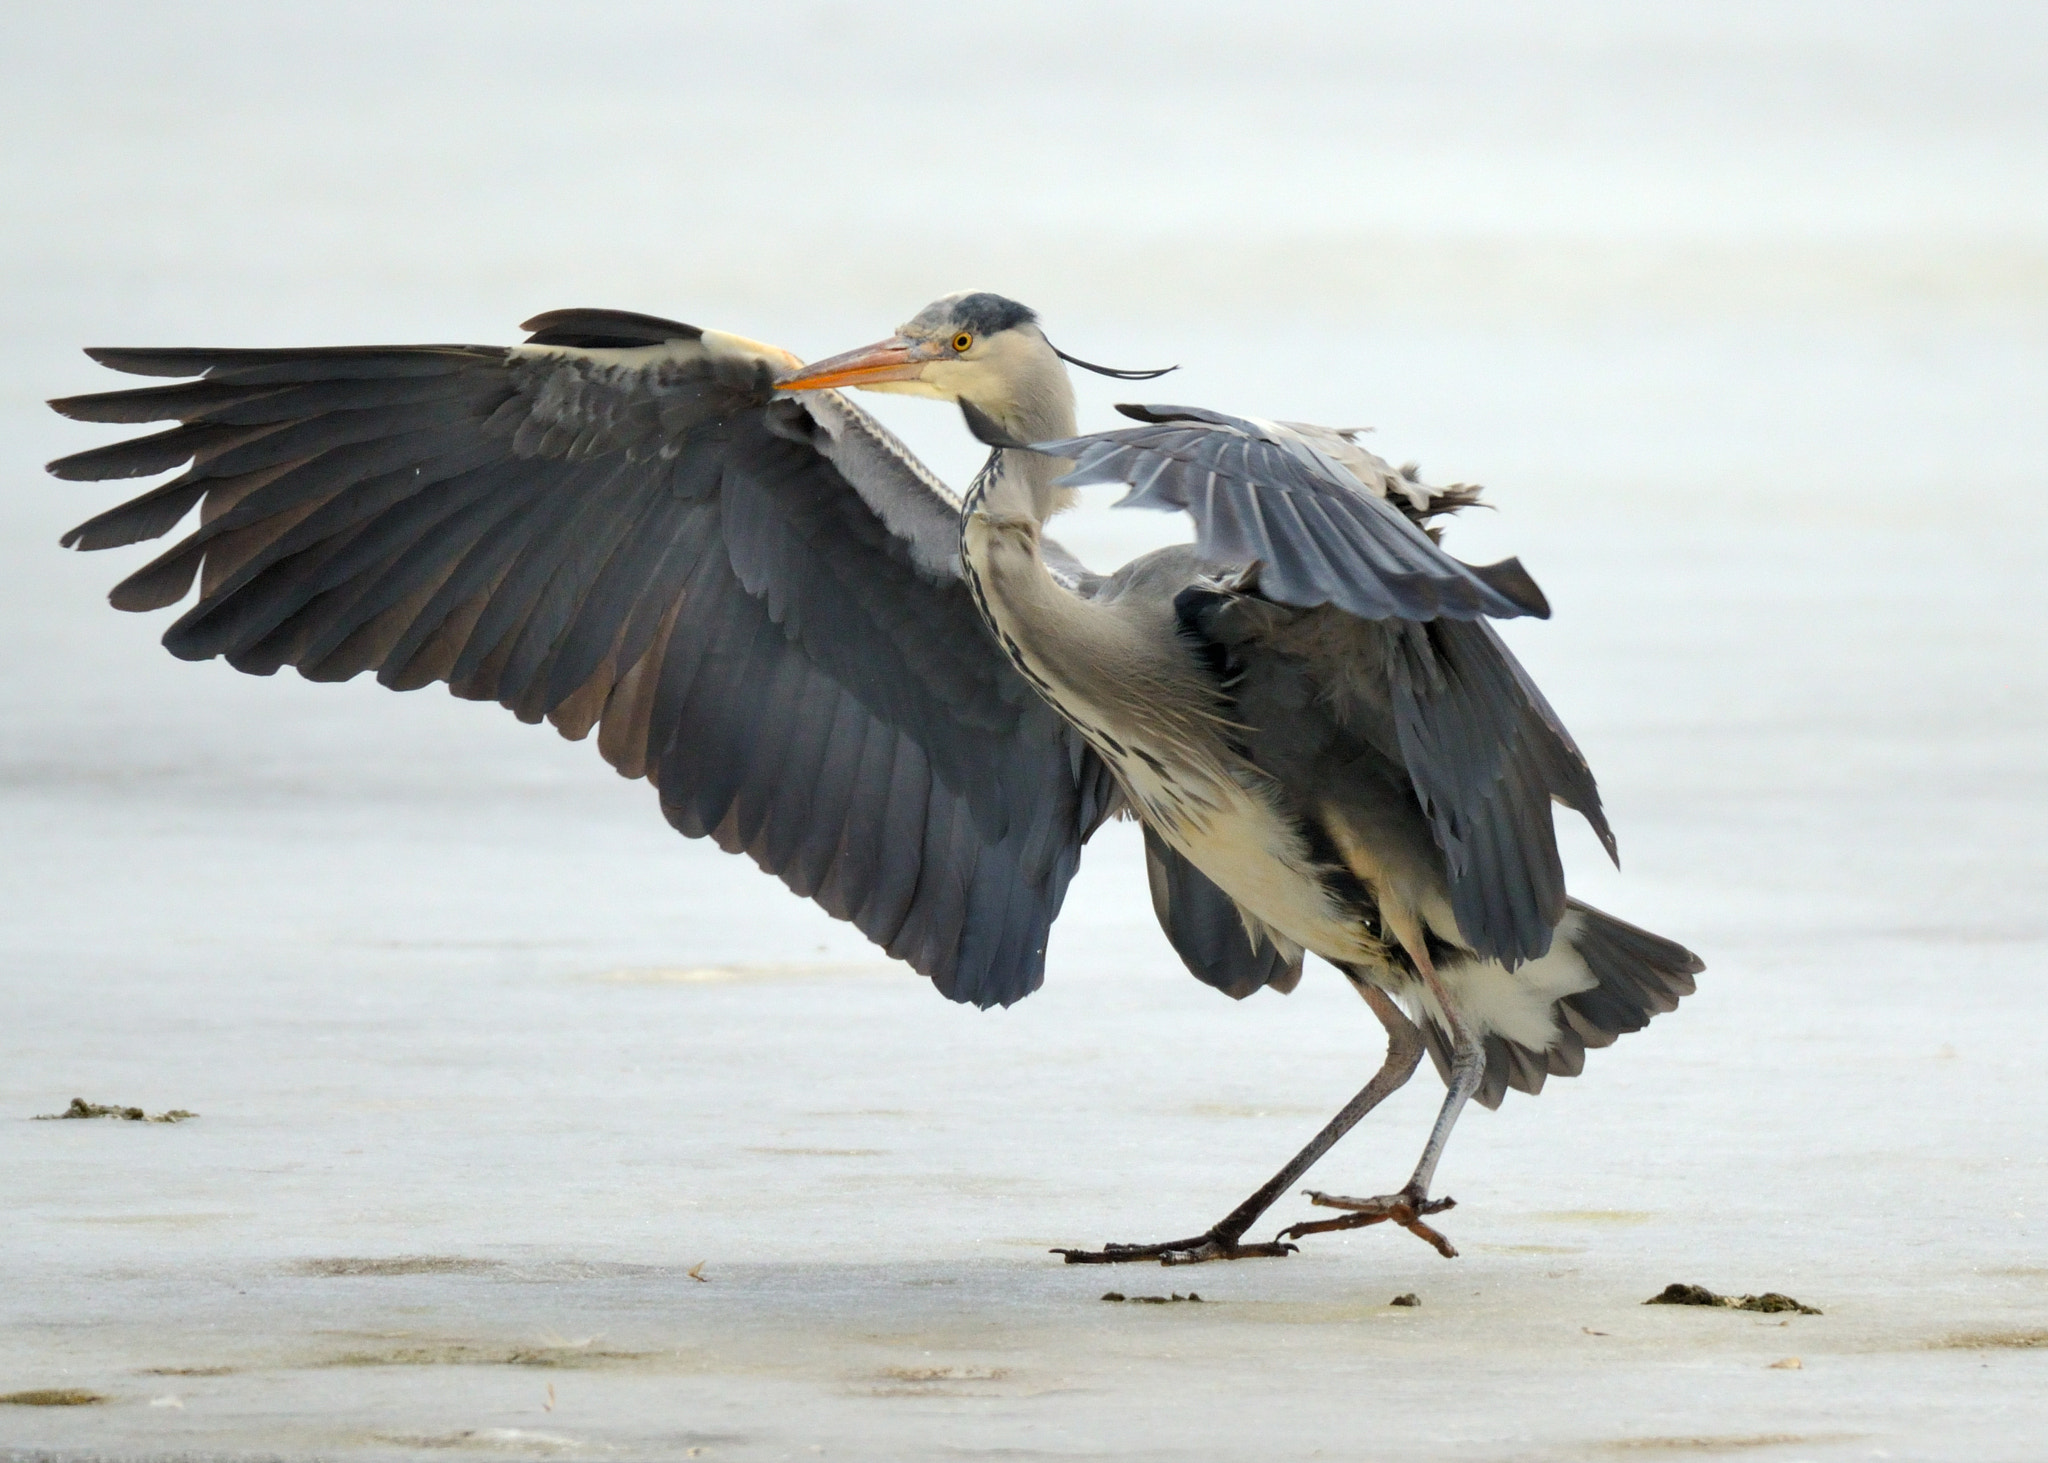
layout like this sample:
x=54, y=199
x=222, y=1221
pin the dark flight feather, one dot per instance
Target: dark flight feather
x=1432, y=723
x=1203, y=925
x=648, y=546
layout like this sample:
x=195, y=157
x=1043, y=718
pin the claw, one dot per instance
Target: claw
x=1177, y=1252
x=1403, y=1209
x=1218, y=1250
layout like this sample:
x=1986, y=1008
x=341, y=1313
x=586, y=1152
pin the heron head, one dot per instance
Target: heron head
x=974, y=348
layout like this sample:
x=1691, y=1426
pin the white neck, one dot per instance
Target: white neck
x=1024, y=392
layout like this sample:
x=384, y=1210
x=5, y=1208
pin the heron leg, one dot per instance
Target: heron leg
x=1224, y=1240
x=1406, y=1208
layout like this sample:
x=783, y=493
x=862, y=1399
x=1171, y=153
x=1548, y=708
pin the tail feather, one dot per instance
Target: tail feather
x=1641, y=975
x=1637, y=975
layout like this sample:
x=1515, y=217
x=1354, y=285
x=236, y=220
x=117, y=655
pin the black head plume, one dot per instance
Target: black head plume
x=1110, y=370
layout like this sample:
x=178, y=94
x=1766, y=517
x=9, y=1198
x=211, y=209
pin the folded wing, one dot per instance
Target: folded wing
x=1487, y=757
x=1369, y=624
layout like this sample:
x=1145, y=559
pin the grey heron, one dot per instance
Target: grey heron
x=914, y=707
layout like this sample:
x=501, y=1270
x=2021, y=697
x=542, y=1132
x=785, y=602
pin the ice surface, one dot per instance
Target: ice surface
x=1743, y=318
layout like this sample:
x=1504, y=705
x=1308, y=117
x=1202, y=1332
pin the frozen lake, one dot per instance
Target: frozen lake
x=528, y=1129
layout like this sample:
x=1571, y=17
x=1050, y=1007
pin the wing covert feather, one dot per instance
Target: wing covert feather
x=1264, y=493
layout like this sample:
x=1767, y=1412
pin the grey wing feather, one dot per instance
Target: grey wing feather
x=1437, y=719
x=1203, y=925
x=756, y=602
x=1263, y=493
x=1487, y=756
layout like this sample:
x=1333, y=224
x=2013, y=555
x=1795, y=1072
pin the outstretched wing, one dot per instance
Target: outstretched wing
x=756, y=601
x=1263, y=493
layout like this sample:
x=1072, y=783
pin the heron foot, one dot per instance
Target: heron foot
x=1405, y=1209
x=1202, y=1247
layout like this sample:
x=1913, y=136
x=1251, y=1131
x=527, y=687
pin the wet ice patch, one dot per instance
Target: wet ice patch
x=1995, y=1341
x=494, y=1438
x=398, y=1265
x=735, y=974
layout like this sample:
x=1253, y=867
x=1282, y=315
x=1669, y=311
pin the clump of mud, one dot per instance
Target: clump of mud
x=1771, y=1302
x=51, y=1397
x=80, y=1108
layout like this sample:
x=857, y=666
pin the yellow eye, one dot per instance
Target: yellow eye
x=962, y=341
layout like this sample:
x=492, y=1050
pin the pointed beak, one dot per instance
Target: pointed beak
x=894, y=359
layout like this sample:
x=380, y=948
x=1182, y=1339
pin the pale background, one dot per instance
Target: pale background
x=1740, y=311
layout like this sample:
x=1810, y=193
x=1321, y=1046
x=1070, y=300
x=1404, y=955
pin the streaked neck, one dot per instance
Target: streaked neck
x=1019, y=484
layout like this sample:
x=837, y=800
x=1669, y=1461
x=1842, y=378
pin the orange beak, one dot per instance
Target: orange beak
x=894, y=359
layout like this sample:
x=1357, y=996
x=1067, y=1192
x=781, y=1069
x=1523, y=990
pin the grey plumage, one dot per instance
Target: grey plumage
x=915, y=708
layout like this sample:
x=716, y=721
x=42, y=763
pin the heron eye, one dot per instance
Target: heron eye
x=962, y=341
